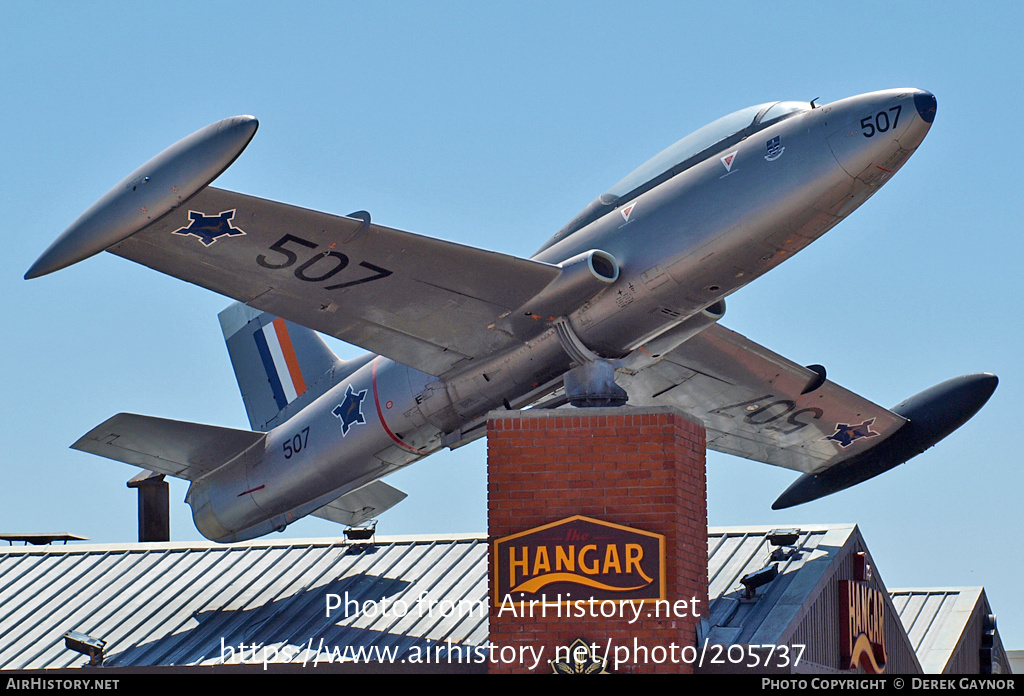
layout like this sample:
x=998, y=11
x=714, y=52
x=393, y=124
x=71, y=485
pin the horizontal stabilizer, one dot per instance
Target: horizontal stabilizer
x=361, y=504
x=176, y=448
x=932, y=415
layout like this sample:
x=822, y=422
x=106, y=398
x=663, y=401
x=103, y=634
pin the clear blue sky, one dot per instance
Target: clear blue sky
x=492, y=124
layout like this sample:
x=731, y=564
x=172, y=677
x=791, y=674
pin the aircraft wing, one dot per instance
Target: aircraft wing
x=758, y=405
x=424, y=302
x=175, y=448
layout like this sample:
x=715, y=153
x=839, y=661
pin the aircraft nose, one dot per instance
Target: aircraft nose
x=925, y=107
x=925, y=103
x=873, y=134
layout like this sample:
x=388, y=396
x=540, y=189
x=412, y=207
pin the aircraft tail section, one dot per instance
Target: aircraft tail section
x=280, y=366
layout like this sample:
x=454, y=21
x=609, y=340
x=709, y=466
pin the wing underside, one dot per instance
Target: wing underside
x=424, y=302
x=758, y=405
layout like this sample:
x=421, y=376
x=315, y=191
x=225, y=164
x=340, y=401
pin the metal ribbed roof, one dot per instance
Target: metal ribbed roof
x=935, y=620
x=177, y=604
x=182, y=603
x=734, y=552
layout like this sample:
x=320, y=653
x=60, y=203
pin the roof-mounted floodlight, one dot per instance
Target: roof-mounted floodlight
x=783, y=537
x=39, y=539
x=751, y=581
x=87, y=645
x=362, y=533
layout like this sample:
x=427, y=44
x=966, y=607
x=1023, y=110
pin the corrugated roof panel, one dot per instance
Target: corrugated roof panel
x=732, y=556
x=736, y=552
x=162, y=604
x=935, y=620
x=184, y=603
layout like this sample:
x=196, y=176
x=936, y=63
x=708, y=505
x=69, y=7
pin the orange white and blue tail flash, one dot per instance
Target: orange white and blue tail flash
x=280, y=366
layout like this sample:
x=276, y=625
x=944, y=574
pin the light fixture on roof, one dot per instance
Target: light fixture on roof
x=362, y=533
x=87, y=645
x=780, y=538
x=40, y=539
x=862, y=567
x=783, y=537
x=751, y=581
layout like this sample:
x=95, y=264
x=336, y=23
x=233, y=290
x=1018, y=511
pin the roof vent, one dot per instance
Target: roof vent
x=39, y=539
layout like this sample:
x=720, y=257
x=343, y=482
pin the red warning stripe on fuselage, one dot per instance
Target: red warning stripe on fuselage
x=380, y=414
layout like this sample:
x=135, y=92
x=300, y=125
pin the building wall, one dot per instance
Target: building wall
x=820, y=628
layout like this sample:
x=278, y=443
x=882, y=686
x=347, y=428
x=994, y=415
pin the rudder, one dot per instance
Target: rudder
x=280, y=366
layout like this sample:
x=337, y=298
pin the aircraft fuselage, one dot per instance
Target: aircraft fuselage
x=682, y=246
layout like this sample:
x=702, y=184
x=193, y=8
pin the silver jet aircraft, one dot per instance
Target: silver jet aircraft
x=620, y=306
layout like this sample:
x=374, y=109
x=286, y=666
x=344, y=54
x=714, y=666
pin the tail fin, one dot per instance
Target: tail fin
x=280, y=366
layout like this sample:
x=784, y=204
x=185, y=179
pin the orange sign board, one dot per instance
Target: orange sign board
x=578, y=558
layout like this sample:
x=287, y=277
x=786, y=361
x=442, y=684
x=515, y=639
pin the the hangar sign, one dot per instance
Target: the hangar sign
x=578, y=558
x=862, y=626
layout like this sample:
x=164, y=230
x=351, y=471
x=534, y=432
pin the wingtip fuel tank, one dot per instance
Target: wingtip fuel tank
x=931, y=416
x=151, y=191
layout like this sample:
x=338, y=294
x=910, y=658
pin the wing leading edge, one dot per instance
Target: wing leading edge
x=758, y=405
x=761, y=406
x=424, y=302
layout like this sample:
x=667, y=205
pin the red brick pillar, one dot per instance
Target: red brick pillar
x=638, y=467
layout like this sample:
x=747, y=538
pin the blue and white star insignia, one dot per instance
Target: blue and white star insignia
x=350, y=411
x=846, y=435
x=210, y=228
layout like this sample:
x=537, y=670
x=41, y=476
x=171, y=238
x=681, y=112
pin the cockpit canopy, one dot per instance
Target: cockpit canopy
x=696, y=147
